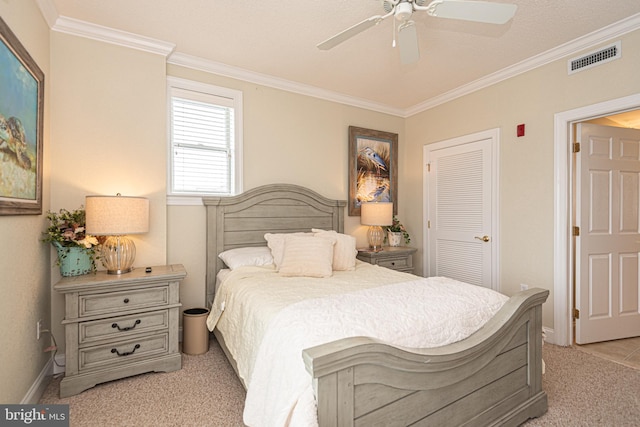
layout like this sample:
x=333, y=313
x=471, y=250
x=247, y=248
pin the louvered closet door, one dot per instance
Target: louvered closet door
x=460, y=213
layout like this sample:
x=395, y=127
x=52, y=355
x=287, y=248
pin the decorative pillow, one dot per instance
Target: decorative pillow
x=275, y=242
x=258, y=255
x=307, y=256
x=344, y=251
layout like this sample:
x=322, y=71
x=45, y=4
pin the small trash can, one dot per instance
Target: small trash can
x=195, y=335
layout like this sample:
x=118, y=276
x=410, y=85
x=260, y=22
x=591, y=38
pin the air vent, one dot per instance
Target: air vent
x=592, y=59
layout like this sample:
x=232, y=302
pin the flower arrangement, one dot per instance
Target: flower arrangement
x=397, y=227
x=66, y=230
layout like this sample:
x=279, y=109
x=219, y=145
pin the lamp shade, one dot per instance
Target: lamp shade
x=116, y=215
x=376, y=213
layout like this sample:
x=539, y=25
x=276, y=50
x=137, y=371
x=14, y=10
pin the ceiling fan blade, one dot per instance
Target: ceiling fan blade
x=408, y=43
x=350, y=32
x=478, y=11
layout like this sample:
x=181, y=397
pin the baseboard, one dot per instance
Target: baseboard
x=548, y=335
x=40, y=384
x=58, y=366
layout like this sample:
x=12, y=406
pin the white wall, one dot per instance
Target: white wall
x=24, y=260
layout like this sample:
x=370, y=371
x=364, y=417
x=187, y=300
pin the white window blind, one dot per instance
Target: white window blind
x=203, y=133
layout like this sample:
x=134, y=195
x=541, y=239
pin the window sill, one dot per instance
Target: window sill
x=184, y=201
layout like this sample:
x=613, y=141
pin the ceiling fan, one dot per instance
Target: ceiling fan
x=402, y=10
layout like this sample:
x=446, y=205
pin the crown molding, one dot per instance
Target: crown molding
x=573, y=47
x=80, y=28
x=88, y=30
x=109, y=35
x=225, y=70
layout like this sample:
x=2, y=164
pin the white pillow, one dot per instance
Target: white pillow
x=344, y=251
x=307, y=256
x=275, y=241
x=258, y=255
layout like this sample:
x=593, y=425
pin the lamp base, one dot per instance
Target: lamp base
x=118, y=254
x=376, y=238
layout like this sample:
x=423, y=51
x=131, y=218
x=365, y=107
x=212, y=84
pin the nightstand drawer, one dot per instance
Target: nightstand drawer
x=395, y=263
x=123, y=326
x=118, y=325
x=394, y=257
x=123, y=352
x=113, y=302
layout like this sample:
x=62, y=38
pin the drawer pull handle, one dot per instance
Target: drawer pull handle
x=115, y=350
x=126, y=300
x=393, y=263
x=127, y=328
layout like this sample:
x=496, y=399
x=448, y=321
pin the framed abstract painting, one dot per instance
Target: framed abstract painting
x=373, y=168
x=21, y=125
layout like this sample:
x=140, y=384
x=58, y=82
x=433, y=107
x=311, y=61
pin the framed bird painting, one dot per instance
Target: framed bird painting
x=21, y=125
x=373, y=168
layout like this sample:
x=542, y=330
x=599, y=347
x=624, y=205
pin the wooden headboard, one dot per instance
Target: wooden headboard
x=242, y=220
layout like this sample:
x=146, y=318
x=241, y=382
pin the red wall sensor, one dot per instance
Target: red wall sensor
x=520, y=130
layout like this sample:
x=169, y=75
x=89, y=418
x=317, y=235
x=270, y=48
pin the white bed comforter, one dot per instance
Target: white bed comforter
x=397, y=308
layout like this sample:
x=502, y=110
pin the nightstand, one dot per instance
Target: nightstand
x=393, y=257
x=120, y=325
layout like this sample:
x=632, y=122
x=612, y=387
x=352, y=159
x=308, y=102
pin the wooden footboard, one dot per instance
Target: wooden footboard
x=494, y=377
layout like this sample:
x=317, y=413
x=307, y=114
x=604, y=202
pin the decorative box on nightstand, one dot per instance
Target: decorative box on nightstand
x=120, y=325
x=393, y=257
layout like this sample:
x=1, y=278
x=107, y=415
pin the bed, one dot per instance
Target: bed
x=492, y=377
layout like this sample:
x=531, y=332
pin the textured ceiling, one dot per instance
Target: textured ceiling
x=278, y=39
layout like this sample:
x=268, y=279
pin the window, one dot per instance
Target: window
x=205, y=124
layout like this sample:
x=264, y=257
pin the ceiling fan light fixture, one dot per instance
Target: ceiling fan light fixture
x=389, y=5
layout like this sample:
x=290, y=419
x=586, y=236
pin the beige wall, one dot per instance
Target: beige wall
x=526, y=163
x=287, y=138
x=108, y=127
x=108, y=135
x=24, y=260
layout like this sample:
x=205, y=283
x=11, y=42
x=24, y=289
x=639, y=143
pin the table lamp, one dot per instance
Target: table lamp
x=375, y=215
x=116, y=217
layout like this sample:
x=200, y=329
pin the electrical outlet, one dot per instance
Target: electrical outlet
x=38, y=329
x=523, y=287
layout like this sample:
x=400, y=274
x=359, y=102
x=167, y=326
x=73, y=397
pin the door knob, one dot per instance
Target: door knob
x=483, y=238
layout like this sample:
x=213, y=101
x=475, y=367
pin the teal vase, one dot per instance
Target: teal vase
x=73, y=260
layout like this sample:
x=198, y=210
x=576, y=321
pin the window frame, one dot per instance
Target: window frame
x=203, y=91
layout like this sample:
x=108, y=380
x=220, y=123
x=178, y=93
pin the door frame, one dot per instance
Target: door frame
x=494, y=135
x=563, y=246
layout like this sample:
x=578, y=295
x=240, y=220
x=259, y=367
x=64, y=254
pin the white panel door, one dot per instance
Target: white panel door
x=460, y=210
x=607, y=248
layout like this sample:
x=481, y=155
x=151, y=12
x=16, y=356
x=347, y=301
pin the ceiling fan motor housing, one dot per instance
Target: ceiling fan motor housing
x=403, y=11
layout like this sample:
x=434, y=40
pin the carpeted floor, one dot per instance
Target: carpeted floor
x=205, y=392
x=583, y=390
